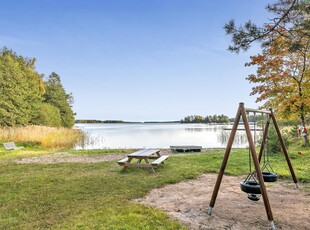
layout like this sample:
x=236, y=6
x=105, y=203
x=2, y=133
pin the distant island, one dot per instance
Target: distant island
x=97, y=121
x=217, y=119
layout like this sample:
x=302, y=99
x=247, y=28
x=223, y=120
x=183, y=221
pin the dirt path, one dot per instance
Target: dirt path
x=188, y=202
x=64, y=157
x=67, y=157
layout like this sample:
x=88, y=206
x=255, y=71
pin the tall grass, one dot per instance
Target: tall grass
x=48, y=137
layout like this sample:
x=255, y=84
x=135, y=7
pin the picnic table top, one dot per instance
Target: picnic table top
x=144, y=153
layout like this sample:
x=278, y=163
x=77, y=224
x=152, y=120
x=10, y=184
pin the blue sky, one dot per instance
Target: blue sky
x=137, y=60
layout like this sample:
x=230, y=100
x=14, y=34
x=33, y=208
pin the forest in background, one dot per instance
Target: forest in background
x=27, y=98
x=219, y=119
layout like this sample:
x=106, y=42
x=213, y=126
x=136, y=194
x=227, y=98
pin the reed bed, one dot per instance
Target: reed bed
x=47, y=137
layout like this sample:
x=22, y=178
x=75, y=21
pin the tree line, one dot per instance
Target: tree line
x=218, y=119
x=28, y=99
x=97, y=121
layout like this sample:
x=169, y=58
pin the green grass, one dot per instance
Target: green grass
x=99, y=195
x=25, y=152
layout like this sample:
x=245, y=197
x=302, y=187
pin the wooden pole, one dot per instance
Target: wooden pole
x=284, y=148
x=225, y=159
x=257, y=166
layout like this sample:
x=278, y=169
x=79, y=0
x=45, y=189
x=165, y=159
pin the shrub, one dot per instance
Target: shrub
x=273, y=144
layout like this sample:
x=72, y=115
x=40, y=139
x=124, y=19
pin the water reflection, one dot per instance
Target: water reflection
x=239, y=140
x=98, y=136
x=203, y=128
x=240, y=137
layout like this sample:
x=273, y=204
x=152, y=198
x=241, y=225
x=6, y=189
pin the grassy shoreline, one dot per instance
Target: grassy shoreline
x=98, y=195
x=41, y=136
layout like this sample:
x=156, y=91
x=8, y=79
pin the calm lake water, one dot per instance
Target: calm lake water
x=157, y=135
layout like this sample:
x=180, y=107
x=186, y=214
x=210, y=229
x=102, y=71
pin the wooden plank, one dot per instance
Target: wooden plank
x=160, y=160
x=140, y=165
x=257, y=110
x=149, y=153
x=153, y=157
x=137, y=153
x=144, y=153
x=123, y=161
x=137, y=157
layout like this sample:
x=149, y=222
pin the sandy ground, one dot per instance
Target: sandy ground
x=188, y=201
x=64, y=157
x=67, y=158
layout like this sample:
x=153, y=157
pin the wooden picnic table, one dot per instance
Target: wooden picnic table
x=146, y=158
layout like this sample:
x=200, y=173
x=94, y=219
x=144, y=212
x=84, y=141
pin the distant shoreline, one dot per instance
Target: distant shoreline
x=122, y=122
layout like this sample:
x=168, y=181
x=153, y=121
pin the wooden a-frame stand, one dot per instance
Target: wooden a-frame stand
x=242, y=113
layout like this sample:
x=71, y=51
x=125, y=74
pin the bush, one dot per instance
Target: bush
x=273, y=144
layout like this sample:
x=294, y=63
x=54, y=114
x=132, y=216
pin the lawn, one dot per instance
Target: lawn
x=98, y=195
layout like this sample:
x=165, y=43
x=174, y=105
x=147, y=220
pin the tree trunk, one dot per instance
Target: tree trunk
x=306, y=139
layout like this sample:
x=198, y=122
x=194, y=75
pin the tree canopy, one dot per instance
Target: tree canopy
x=56, y=96
x=26, y=98
x=21, y=89
x=290, y=15
x=282, y=79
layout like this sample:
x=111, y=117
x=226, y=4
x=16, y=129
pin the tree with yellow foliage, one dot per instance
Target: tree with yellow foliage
x=282, y=79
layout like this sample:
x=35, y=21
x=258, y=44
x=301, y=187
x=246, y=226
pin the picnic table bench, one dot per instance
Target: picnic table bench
x=146, y=155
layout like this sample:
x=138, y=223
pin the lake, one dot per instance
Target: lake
x=157, y=135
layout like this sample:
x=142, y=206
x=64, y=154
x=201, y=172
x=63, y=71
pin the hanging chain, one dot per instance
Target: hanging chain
x=254, y=129
x=266, y=148
x=265, y=140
